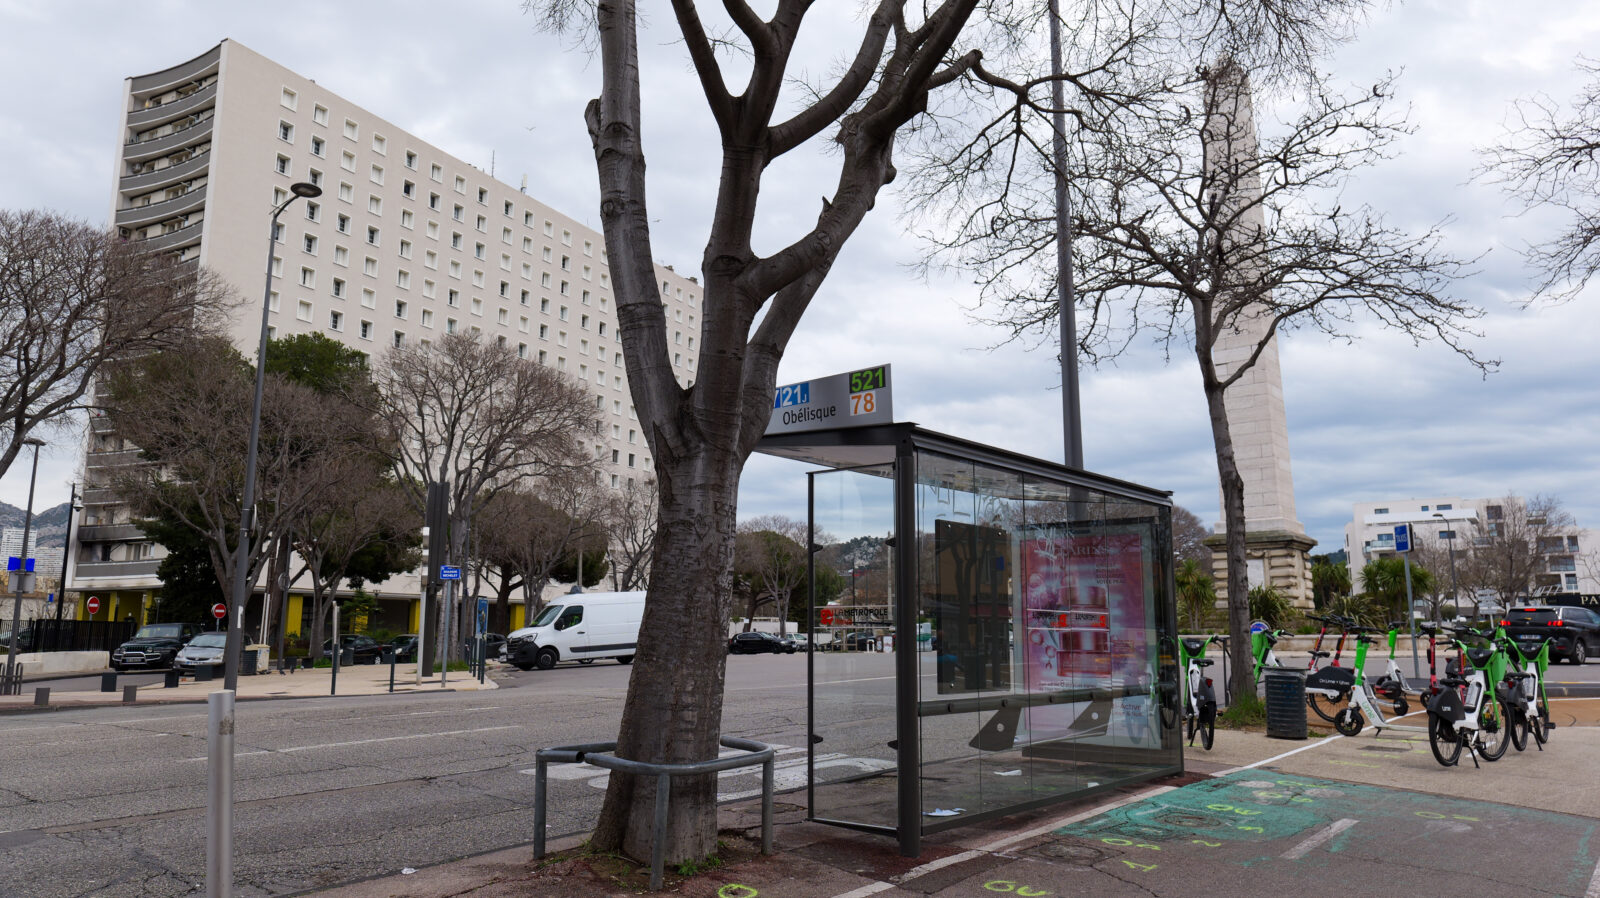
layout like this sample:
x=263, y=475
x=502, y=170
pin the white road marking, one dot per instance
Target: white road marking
x=1321, y=836
x=1335, y=737
x=1593, y=891
x=300, y=748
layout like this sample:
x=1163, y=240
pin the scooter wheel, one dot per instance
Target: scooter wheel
x=1401, y=707
x=1349, y=722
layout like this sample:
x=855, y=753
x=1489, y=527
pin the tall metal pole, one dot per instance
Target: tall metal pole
x=1066, y=295
x=247, y=509
x=1455, y=596
x=219, y=794
x=19, y=577
x=66, y=552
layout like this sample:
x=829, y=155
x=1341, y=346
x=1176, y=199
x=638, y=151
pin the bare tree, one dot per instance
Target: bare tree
x=1192, y=228
x=361, y=513
x=1551, y=158
x=904, y=54
x=523, y=534
x=1188, y=537
x=189, y=411
x=74, y=298
x=1519, y=537
x=631, y=531
x=773, y=550
x=472, y=415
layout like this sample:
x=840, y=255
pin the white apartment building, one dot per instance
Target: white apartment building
x=46, y=565
x=1570, y=560
x=405, y=244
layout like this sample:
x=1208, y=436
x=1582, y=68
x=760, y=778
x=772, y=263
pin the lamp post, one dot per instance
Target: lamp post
x=247, y=511
x=1066, y=297
x=73, y=507
x=1451, y=540
x=21, y=575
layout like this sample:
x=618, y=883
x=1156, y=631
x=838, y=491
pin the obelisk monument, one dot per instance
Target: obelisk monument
x=1276, y=545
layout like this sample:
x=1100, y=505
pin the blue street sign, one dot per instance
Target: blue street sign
x=1402, y=537
x=19, y=564
x=448, y=572
x=483, y=615
x=50, y=598
x=1259, y=626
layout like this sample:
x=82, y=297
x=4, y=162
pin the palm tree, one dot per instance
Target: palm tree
x=1197, y=591
x=1385, y=580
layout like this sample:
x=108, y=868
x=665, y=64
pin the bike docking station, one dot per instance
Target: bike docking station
x=1005, y=639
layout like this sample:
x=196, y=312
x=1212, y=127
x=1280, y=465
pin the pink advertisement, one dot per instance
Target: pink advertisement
x=1079, y=590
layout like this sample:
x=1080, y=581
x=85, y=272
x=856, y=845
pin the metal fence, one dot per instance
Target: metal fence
x=50, y=635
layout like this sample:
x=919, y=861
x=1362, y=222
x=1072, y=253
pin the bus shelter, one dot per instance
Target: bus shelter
x=1001, y=637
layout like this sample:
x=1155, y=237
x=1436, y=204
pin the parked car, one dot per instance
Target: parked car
x=24, y=640
x=154, y=645
x=405, y=647
x=1574, y=632
x=494, y=646
x=368, y=650
x=858, y=641
x=205, y=650
x=755, y=642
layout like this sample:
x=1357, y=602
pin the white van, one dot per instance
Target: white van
x=579, y=627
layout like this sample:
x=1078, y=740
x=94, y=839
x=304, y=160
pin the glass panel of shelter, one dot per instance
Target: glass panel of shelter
x=853, y=759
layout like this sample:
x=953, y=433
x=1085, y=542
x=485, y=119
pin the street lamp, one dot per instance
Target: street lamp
x=247, y=511
x=74, y=506
x=1451, y=539
x=21, y=576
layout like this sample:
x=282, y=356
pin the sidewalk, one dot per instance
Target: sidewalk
x=358, y=679
x=1326, y=808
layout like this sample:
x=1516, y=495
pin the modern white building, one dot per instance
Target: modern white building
x=46, y=565
x=405, y=244
x=1571, y=561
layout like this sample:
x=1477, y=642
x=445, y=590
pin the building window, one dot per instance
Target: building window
x=336, y=321
x=405, y=249
x=399, y=338
x=406, y=218
x=449, y=325
x=372, y=235
x=308, y=277
x=290, y=99
x=436, y=173
x=303, y=311
x=544, y=331
x=341, y=256
x=282, y=165
x=310, y=244
x=342, y=223
x=313, y=211
x=1380, y=511
x=399, y=308
x=318, y=146
x=427, y=318
x=1445, y=507
x=483, y=196
x=319, y=114
x=350, y=129
x=346, y=192
x=347, y=161
x=286, y=132
x=338, y=287
x=380, y=145
x=377, y=174
x=369, y=298
x=403, y=279
x=461, y=184
x=366, y=330
x=370, y=267
x=411, y=160
x=375, y=204
x=454, y=298
x=315, y=177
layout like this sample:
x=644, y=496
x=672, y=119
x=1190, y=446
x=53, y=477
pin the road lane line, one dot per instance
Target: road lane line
x=1322, y=835
x=300, y=748
x=1335, y=737
x=1593, y=891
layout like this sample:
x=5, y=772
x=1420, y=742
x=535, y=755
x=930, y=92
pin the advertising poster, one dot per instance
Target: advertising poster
x=1082, y=592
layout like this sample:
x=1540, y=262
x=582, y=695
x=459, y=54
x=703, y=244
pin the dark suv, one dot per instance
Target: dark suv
x=1574, y=632
x=154, y=645
x=756, y=642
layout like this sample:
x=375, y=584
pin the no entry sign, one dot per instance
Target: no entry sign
x=93, y=605
x=219, y=611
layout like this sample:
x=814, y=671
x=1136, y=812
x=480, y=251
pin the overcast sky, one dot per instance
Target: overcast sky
x=1377, y=419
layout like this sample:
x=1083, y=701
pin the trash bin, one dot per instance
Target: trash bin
x=247, y=664
x=174, y=678
x=347, y=657
x=1286, y=703
x=108, y=682
x=263, y=656
x=205, y=672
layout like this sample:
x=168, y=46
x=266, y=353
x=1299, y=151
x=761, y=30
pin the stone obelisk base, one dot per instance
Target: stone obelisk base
x=1275, y=558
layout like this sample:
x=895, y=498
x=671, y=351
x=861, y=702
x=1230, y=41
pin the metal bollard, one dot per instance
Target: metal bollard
x=130, y=693
x=108, y=682
x=174, y=677
x=219, y=795
x=41, y=696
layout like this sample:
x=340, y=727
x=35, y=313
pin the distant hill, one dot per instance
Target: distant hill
x=49, y=524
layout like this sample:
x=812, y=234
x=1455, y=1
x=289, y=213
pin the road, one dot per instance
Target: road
x=111, y=801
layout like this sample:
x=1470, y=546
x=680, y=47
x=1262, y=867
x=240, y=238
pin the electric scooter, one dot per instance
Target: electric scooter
x=1363, y=705
x=1467, y=712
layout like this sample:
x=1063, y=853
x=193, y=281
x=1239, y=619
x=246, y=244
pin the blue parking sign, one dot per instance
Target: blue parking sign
x=1402, y=537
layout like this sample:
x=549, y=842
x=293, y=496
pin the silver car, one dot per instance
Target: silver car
x=202, y=651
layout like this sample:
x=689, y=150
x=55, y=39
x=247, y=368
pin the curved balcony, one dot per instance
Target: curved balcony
x=172, y=240
x=142, y=569
x=103, y=495
x=167, y=79
x=170, y=175
x=116, y=459
x=100, y=424
x=139, y=216
x=106, y=533
x=166, y=143
x=140, y=119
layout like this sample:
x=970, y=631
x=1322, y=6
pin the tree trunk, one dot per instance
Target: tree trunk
x=1239, y=660
x=675, y=690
